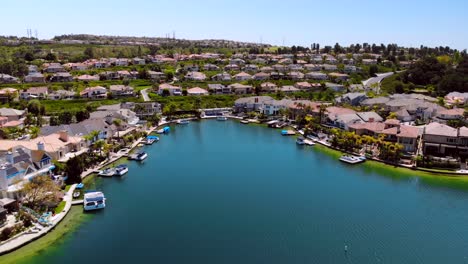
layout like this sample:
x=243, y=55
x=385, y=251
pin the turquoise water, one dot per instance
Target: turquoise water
x=223, y=192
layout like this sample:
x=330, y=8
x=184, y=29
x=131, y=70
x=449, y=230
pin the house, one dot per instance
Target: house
x=172, y=90
x=8, y=94
x=353, y=99
x=238, y=88
x=273, y=107
x=125, y=75
x=249, y=104
x=295, y=67
x=192, y=68
x=12, y=114
x=250, y=68
x=370, y=117
x=340, y=116
x=287, y=89
x=139, y=61
x=87, y=78
x=338, y=76
x=280, y=68
x=370, y=128
x=61, y=77
x=197, y=91
x=57, y=146
x=335, y=87
x=61, y=95
x=231, y=67
x=451, y=114
x=110, y=75
x=243, y=76
x=32, y=69
x=221, y=77
x=219, y=89
x=210, y=67
x=267, y=69
x=97, y=92
x=405, y=135
x=154, y=75
x=443, y=140
x=143, y=110
x=329, y=67
x=268, y=87
x=316, y=76
x=369, y=61
x=303, y=86
x=53, y=67
x=295, y=76
x=76, y=66
x=121, y=90
x=261, y=76
x=5, y=78
x=121, y=62
x=350, y=69
x=195, y=76
x=82, y=129
x=237, y=61
x=18, y=165
x=35, y=93
x=456, y=98
x=101, y=64
x=127, y=116
x=35, y=77
x=276, y=75
x=404, y=116
x=313, y=67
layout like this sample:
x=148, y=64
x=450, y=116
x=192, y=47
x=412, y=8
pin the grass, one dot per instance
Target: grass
x=60, y=207
x=49, y=242
x=67, y=188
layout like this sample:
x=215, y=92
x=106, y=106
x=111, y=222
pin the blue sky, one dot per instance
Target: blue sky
x=294, y=22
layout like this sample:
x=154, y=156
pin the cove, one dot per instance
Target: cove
x=223, y=192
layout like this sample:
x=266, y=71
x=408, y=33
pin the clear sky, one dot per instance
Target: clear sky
x=292, y=22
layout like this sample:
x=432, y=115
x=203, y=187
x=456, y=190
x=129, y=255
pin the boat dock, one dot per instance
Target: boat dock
x=77, y=202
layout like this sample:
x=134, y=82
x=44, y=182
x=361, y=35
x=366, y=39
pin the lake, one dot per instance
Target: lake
x=223, y=192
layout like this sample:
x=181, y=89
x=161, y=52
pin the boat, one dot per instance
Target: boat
x=183, y=122
x=109, y=172
x=139, y=156
x=461, y=171
x=351, y=159
x=221, y=118
x=288, y=132
x=94, y=201
x=160, y=131
x=121, y=170
x=76, y=194
x=151, y=139
x=244, y=121
x=300, y=141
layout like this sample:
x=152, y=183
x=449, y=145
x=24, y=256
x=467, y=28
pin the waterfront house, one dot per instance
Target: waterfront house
x=371, y=128
x=197, y=91
x=443, y=140
x=217, y=88
x=121, y=90
x=82, y=129
x=405, y=135
x=173, y=90
x=249, y=104
x=341, y=117
x=35, y=93
x=96, y=92
x=238, y=88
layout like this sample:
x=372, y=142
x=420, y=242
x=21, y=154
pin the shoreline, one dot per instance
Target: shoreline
x=400, y=171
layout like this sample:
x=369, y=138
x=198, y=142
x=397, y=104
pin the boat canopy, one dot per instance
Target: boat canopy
x=166, y=129
x=152, y=137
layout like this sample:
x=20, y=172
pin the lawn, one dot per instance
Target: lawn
x=60, y=207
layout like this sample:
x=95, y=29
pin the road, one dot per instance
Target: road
x=377, y=79
x=144, y=94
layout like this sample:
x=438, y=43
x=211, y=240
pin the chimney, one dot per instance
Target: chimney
x=9, y=157
x=371, y=119
x=63, y=135
x=40, y=145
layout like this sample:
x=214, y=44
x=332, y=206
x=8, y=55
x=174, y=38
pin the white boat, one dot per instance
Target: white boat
x=151, y=139
x=300, y=141
x=120, y=170
x=244, y=122
x=462, y=171
x=309, y=142
x=160, y=131
x=183, y=122
x=351, y=159
x=221, y=118
x=109, y=172
x=94, y=201
x=141, y=156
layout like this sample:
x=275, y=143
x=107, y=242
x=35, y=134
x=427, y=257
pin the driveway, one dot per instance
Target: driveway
x=144, y=94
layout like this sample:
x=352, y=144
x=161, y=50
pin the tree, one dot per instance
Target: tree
x=373, y=69
x=74, y=167
x=50, y=57
x=89, y=52
x=34, y=107
x=82, y=115
x=65, y=117
x=34, y=131
x=40, y=191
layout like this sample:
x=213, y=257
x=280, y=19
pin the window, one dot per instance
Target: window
x=451, y=140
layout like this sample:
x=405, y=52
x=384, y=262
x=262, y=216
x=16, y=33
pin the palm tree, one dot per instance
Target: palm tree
x=99, y=145
x=34, y=132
